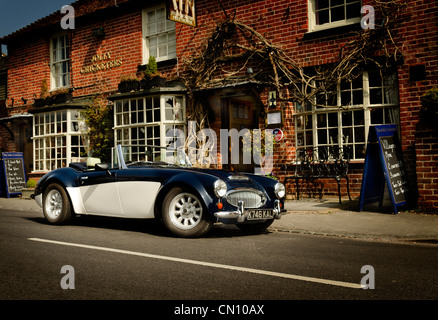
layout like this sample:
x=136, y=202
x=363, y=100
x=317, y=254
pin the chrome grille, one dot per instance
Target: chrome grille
x=250, y=198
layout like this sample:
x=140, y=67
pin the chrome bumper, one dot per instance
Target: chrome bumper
x=242, y=215
x=39, y=200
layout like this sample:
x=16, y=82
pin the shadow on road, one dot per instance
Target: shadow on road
x=149, y=226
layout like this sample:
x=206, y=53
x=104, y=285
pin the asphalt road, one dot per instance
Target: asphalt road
x=139, y=260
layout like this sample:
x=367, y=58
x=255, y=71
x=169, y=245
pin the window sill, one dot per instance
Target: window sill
x=335, y=31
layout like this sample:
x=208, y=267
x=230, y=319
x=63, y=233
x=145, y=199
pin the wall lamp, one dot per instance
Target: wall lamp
x=98, y=32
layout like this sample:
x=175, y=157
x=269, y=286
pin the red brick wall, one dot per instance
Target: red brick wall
x=426, y=146
x=283, y=22
x=30, y=63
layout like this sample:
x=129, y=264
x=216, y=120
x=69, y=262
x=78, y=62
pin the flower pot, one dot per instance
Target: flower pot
x=38, y=103
x=61, y=98
x=145, y=84
x=128, y=86
x=158, y=81
x=27, y=192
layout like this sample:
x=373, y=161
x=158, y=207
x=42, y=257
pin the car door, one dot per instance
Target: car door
x=99, y=193
x=137, y=190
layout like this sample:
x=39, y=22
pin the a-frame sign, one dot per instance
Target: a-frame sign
x=384, y=164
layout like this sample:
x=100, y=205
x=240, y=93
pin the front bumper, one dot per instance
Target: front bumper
x=241, y=214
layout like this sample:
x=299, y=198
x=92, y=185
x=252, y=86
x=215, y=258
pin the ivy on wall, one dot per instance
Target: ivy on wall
x=100, y=121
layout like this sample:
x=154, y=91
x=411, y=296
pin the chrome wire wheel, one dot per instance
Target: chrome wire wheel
x=185, y=211
x=54, y=204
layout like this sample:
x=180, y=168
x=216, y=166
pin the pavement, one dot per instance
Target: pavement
x=326, y=217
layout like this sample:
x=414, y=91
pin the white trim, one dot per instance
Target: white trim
x=52, y=62
x=145, y=53
x=43, y=136
x=313, y=27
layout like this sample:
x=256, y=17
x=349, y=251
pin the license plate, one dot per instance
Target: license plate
x=260, y=214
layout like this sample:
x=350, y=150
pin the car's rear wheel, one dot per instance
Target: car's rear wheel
x=184, y=214
x=56, y=204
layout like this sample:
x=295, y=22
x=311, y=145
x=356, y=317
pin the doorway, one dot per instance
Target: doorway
x=241, y=115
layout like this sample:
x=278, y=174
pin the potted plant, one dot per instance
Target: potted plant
x=29, y=190
x=151, y=77
x=41, y=101
x=128, y=83
x=61, y=95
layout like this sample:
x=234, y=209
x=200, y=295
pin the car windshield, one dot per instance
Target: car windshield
x=147, y=155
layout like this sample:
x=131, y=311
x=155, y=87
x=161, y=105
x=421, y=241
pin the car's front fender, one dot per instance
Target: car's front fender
x=200, y=184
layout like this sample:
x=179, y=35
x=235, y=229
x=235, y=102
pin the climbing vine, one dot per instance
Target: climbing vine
x=233, y=47
x=98, y=117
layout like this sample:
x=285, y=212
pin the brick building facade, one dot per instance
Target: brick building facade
x=114, y=39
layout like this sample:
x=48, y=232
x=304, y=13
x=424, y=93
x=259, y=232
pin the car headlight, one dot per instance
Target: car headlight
x=280, y=190
x=220, y=188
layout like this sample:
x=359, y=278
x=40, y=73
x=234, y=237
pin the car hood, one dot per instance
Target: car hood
x=233, y=179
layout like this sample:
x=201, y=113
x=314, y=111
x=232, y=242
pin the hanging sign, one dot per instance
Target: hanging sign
x=384, y=165
x=182, y=11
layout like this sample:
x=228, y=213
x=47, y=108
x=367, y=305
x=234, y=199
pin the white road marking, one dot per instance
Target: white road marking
x=207, y=264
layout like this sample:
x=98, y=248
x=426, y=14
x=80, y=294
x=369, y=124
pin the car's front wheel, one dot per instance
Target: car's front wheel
x=56, y=204
x=184, y=214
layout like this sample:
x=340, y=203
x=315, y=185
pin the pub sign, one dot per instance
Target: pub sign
x=182, y=11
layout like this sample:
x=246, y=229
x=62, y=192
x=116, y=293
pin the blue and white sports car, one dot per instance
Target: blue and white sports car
x=188, y=200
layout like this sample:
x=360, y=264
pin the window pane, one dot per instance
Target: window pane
x=322, y=17
x=322, y=120
x=376, y=116
x=357, y=97
x=347, y=135
x=359, y=118
x=359, y=134
x=321, y=4
x=337, y=14
x=376, y=96
x=332, y=119
x=347, y=119
x=322, y=136
x=353, y=10
x=346, y=98
x=333, y=136
x=375, y=80
x=336, y=2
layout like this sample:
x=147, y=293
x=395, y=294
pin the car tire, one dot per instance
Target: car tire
x=184, y=214
x=254, y=228
x=56, y=204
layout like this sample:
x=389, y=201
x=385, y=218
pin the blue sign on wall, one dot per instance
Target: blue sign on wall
x=384, y=164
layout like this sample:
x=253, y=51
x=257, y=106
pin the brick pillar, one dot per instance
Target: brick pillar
x=426, y=148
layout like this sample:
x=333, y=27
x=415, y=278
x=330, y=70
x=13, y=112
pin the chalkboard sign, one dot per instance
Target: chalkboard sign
x=395, y=168
x=13, y=172
x=384, y=164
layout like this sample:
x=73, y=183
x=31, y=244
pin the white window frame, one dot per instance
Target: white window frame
x=56, y=79
x=124, y=125
x=306, y=119
x=49, y=131
x=146, y=35
x=315, y=27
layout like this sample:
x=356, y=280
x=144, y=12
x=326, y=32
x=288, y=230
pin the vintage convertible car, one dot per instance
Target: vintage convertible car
x=188, y=200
